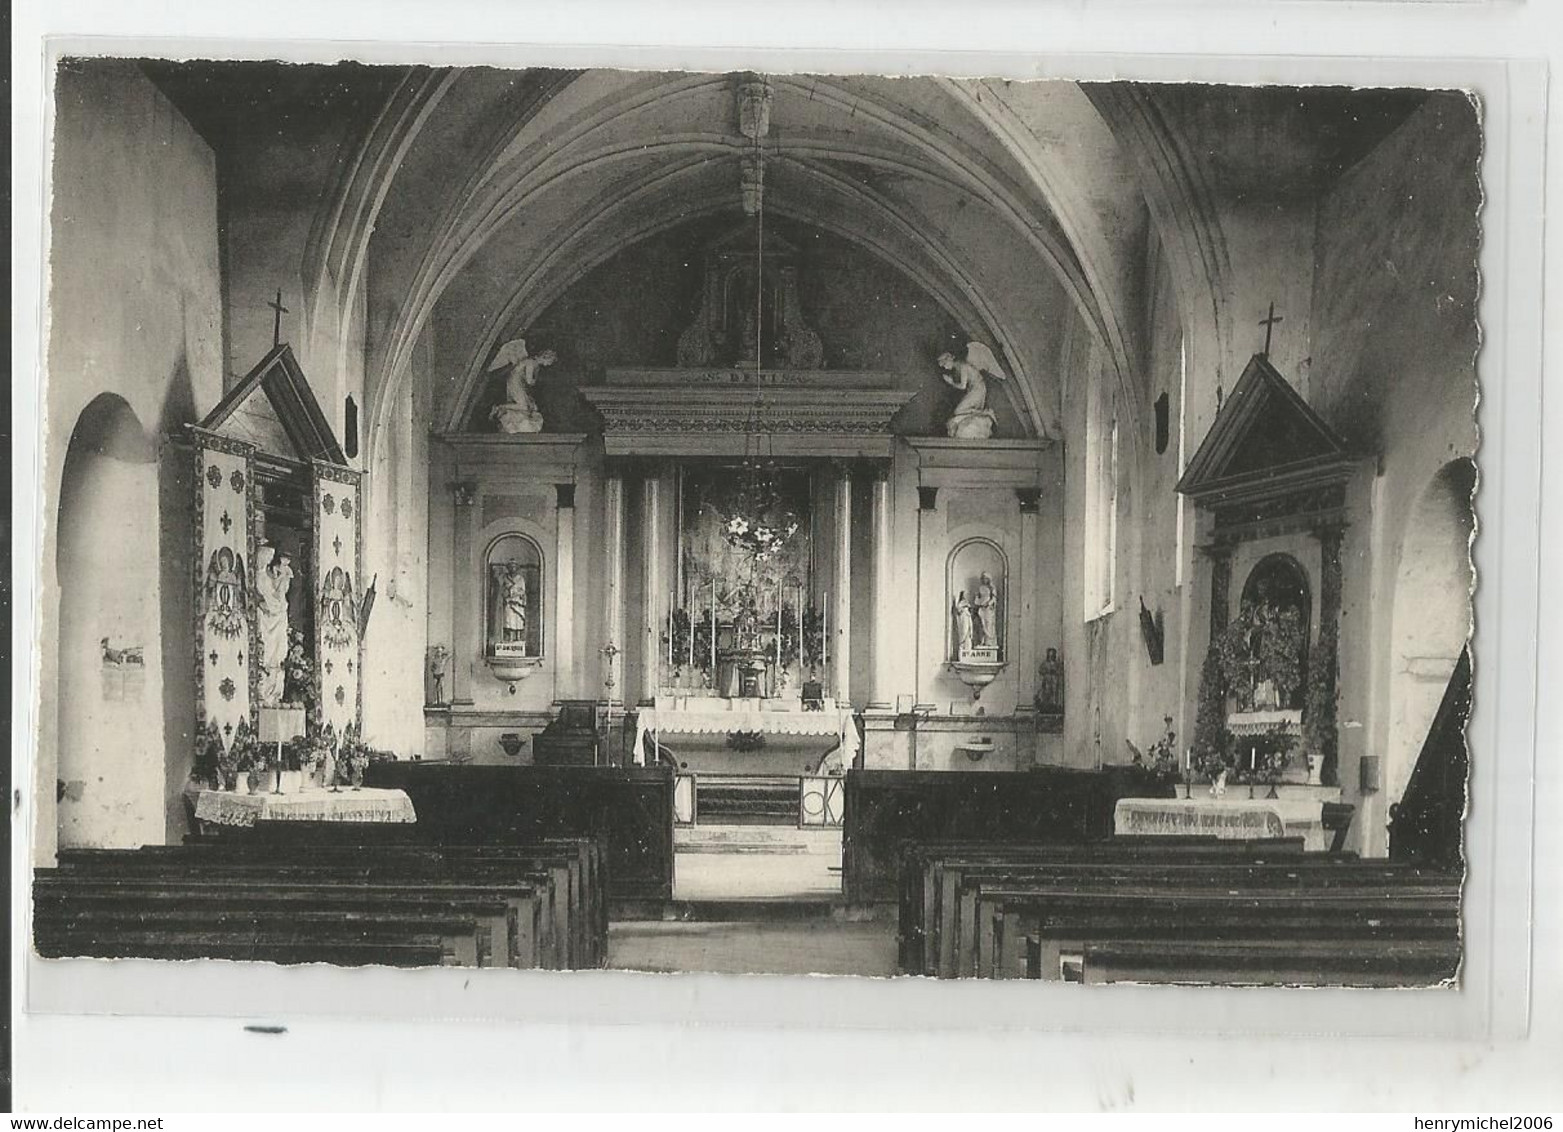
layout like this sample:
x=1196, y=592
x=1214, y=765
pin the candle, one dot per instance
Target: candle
x=824, y=632
x=670, y=628
x=799, y=612
x=778, y=625
x=713, y=632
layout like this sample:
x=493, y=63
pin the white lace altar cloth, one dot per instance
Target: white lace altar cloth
x=226, y=807
x=707, y=715
x=1228, y=818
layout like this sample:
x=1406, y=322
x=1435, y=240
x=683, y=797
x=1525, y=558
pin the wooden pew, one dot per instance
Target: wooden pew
x=1047, y=805
x=964, y=908
x=547, y=875
x=628, y=809
x=86, y=911
x=930, y=876
x=574, y=872
x=1069, y=920
x=527, y=936
x=1289, y=962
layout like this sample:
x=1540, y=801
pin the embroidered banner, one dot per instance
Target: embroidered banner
x=339, y=595
x=223, y=584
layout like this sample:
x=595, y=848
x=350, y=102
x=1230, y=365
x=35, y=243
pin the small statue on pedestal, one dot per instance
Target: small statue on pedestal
x=519, y=413
x=439, y=663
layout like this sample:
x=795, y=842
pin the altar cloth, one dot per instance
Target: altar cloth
x=1226, y=818
x=707, y=716
x=225, y=807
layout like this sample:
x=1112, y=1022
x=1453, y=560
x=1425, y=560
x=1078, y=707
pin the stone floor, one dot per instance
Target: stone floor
x=744, y=862
x=813, y=947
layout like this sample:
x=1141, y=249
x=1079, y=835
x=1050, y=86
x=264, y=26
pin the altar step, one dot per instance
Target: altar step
x=746, y=800
x=765, y=839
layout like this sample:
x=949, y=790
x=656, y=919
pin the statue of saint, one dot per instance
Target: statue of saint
x=515, y=605
x=519, y=413
x=971, y=419
x=271, y=619
x=963, y=625
x=985, y=604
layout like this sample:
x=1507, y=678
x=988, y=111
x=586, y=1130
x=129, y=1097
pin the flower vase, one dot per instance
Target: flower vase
x=255, y=779
x=357, y=775
x=1273, y=794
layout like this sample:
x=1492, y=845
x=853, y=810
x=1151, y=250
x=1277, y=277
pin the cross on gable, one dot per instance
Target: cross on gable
x=1265, y=439
x=1269, y=324
x=276, y=323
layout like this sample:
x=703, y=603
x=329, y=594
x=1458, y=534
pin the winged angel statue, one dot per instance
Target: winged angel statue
x=971, y=418
x=518, y=412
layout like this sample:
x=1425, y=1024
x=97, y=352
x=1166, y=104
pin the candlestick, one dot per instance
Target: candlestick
x=670, y=628
x=799, y=611
x=778, y=628
x=824, y=634
x=713, y=632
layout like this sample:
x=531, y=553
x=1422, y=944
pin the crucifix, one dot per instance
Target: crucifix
x=276, y=322
x=1269, y=325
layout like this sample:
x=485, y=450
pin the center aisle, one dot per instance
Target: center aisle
x=757, y=900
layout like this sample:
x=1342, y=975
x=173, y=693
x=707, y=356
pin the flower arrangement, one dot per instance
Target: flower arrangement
x=1161, y=758
x=209, y=755
x=298, y=671
x=746, y=741
x=1212, y=751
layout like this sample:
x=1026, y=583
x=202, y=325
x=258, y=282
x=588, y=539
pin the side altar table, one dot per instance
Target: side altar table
x=1233, y=819
x=225, y=807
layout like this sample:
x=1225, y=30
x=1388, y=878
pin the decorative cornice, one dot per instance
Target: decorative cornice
x=831, y=417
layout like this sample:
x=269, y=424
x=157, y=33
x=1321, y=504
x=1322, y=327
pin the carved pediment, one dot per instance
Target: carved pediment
x=1266, y=443
x=273, y=408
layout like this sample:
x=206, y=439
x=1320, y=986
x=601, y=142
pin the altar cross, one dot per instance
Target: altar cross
x=1269, y=325
x=276, y=322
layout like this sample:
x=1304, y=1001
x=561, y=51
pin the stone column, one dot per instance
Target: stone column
x=884, y=610
x=841, y=594
x=467, y=604
x=651, y=645
x=613, y=590
x=566, y=681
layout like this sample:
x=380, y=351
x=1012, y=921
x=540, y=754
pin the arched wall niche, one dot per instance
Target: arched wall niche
x=111, y=784
x=1280, y=582
x=1431, y=620
x=977, y=576
x=513, y=585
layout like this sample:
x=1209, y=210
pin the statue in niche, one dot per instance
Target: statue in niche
x=513, y=627
x=801, y=346
x=984, y=605
x=519, y=413
x=964, y=626
x=697, y=345
x=971, y=419
x=272, y=582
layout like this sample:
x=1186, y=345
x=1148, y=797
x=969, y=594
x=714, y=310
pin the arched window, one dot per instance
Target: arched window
x=514, y=586
x=1101, y=496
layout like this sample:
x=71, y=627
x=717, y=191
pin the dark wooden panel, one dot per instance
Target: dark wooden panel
x=1048, y=805
x=630, y=809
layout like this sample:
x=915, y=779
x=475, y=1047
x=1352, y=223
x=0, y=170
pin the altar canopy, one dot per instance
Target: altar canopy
x=278, y=548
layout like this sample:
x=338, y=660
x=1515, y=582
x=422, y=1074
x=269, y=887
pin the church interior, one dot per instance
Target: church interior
x=756, y=522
